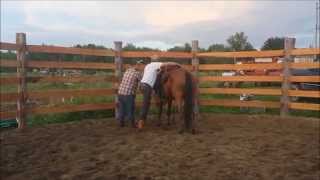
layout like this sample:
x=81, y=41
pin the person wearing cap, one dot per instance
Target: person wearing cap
x=127, y=93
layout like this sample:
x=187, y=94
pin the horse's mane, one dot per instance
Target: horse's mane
x=158, y=86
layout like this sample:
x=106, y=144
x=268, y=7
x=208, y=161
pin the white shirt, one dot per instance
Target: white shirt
x=150, y=73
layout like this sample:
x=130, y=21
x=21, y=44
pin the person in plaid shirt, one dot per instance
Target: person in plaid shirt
x=127, y=94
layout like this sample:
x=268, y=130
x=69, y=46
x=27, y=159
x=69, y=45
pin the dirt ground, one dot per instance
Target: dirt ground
x=228, y=147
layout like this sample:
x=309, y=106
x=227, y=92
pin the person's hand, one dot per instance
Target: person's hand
x=141, y=88
x=140, y=124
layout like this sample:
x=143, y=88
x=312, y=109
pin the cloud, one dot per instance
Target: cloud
x=261, y=21
x=171, y=14
x=156, y=23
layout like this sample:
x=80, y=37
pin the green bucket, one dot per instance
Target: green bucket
x=8, y=123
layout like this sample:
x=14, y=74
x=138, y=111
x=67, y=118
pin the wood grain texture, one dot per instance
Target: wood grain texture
x=56, y=64
x=265, y=66
x=241, y=78
x=255, y=91
x=238, y=103
x=304, y=106
x=5, y=115
x=70, y=50
x=160, y=54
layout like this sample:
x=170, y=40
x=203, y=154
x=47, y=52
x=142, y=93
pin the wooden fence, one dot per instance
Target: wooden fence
x=23, y=95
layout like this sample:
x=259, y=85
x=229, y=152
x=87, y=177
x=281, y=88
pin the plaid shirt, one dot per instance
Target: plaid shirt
x=129, y=82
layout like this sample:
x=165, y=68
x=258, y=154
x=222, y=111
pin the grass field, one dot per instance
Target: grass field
x=74, y=116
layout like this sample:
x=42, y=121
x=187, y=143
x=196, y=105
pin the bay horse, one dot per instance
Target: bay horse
x=177, y=85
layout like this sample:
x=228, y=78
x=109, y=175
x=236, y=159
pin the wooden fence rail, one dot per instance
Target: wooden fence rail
x=59, y=50
x=160, y=54
x=60, y=79
x=255, y=91
x=57, y=64
x=7, y=97
x=23, y=94
x=265, y=66
x=240, y=78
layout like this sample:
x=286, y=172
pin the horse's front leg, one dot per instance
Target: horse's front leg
x=160, y=105
x=169, y=111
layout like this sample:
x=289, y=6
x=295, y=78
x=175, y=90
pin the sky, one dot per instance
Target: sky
x=156, y=24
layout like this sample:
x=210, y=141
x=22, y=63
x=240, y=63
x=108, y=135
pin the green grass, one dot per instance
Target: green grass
x=236, y=110
x=52, y=86
x=65, y=117
x=36, y=120
x=305, y=113
x=87, y=100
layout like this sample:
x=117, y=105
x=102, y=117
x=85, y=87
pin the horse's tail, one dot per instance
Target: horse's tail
x=188, y=100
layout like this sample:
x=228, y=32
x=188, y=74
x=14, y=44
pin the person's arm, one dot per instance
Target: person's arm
x=170, y=66
x=139, y=77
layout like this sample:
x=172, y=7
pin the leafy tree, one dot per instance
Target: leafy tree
x=239, y=42
x=129, y=47
x=90, y=46
x=186, y=48
x=202, y=49
x=273, y=43
x=218, y=47
x=132, y=47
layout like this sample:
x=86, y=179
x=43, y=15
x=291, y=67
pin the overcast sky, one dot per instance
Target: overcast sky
x=156, y=24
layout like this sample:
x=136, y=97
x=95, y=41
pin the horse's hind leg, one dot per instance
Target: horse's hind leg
x=173, y=119
x=195, y=117
x=180, y=116
x=194, y=122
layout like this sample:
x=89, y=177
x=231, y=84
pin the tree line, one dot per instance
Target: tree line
x=236, y=42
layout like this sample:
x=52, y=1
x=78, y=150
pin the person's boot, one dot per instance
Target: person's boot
x=140, y=124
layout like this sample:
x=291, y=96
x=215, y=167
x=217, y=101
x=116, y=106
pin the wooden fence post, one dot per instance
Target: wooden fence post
x=118, y=71
x=195, y=68
x=289, y=44
x=21, y=75
x=195, y=60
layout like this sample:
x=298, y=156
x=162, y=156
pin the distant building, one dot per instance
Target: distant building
x=44, y=71
x=263, y=60
x=69, y=72
x=304, y=59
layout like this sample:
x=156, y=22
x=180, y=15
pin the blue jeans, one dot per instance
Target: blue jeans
x=126, y=107
x=146, y=92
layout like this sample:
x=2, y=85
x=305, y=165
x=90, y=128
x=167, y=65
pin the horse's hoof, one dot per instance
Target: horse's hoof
x=193, y=131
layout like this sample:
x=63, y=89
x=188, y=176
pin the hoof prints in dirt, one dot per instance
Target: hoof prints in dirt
x=228, y=147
